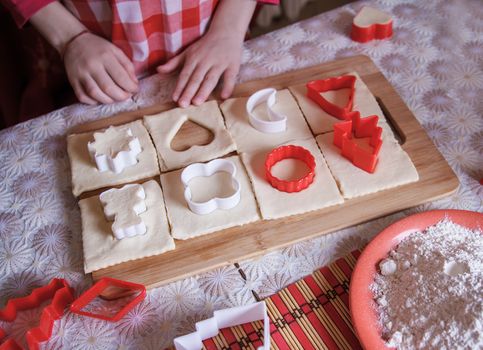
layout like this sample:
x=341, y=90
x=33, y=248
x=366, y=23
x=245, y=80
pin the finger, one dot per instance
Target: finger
x=121, y=77
x=94, y=92
x=193, y=85
x=109, y=87
x=126, y=63
x=183, y=78
x=82, y=95
x=207, y=86
x=229, y=80
x=171, y=65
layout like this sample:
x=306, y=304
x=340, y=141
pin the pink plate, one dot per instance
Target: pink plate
x=362, y=306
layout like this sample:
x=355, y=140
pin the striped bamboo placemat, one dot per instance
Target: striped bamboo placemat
x=312, y=313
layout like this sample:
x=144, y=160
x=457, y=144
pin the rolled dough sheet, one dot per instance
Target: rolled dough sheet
x=102, y=249
x=164, y=126
x=249, y=139
x=86, y=177
x=394, y=168
x=186, y=224
x=323, y=192
x=321, y=122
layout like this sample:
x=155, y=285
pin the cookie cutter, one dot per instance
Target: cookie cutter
x=360, y=127
x=286, y=152
x=226, y=318
x=117, y=158
x=99, y=288
x=208, y=169
x=277, y=122
x=59, y=291
x=370, y=24
x=316, y=87
x=121, y=227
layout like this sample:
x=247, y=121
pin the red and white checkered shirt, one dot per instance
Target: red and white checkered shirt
x=149, y=32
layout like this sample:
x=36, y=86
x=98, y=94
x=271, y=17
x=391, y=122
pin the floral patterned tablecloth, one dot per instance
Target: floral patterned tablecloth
x=435, y=62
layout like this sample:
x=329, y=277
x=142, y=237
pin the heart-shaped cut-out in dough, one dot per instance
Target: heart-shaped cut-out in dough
x=315, y=89
x=370, y=24
x=206, y=170
x=191, y=134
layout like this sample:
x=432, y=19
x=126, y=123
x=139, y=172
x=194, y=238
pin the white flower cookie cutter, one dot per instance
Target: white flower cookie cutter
x=114, y=149
x=277, y=122
x=226, y=318
x=123, y=206
x=208, y=169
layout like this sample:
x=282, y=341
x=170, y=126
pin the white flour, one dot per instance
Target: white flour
x=429, y=293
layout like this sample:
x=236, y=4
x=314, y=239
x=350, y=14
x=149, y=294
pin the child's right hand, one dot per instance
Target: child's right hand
x=98, y=70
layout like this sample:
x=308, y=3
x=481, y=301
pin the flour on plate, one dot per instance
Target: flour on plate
x=429, y=290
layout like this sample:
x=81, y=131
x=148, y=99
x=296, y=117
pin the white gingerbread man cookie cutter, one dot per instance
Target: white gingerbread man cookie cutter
x=208, y=169
x=114, y=157
x=226, y=318
x=277, y=122
x=123, y=206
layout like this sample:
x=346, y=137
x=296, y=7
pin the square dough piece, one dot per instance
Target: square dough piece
x=102, y=249
x=394, y=168
x=323, y=192
x=164, y=126
x=186, y=224
x=249, y=139
x=321, y=122
x=86, y=177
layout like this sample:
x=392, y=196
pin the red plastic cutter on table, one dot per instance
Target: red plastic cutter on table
x=370, y=24
x=359, y=127
x=286, y=152
x=316, y=87
x=61, y=294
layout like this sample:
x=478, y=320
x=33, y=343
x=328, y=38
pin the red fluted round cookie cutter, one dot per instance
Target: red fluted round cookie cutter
x=287, y=152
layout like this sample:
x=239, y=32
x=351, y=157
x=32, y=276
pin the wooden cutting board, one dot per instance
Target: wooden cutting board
x=436, y=180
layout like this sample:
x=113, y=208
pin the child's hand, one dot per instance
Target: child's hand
x=204, y=62
x=99, y=71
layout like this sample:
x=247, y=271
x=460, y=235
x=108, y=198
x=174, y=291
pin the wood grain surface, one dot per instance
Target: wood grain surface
x=238, y=243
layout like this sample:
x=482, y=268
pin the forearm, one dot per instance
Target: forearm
x=56, y=24
x=232, y=17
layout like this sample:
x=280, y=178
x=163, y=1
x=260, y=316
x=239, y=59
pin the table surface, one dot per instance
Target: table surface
x=434, y=61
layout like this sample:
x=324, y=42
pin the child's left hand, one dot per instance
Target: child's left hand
x=204, y=62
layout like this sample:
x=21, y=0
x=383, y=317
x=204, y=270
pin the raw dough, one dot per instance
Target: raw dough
x=186, y=224
x=86, y=177
x=321, y=122
x=102, y=249
x=368, y=16
x=323, y=192
x=249, y=139
x=164, y=126
x=393, y=169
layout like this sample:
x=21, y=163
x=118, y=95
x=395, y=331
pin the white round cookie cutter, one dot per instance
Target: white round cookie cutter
x=277, y=122
x=124, y=157
x=226, y=318
x=208, y=169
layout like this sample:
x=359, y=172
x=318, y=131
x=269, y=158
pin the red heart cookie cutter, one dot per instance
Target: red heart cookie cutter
x=316, y=87
x=370, y=24
x=61, y=294
x=359, y=127
x=286, y=152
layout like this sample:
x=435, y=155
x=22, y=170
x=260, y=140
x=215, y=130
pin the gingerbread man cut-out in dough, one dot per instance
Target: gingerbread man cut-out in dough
x=123, y=206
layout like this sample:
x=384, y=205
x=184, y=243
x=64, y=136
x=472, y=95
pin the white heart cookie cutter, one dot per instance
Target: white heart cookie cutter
x=125, y=211
x=277, y=122
x=119, y=156
x=208, y=169
x=226, y=318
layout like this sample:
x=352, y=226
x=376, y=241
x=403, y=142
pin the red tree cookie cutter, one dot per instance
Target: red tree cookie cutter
x=98, y=288
x=286, y=152
x=315, y=87
x=61, y=294
x=359, y=127
x=370, y=24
